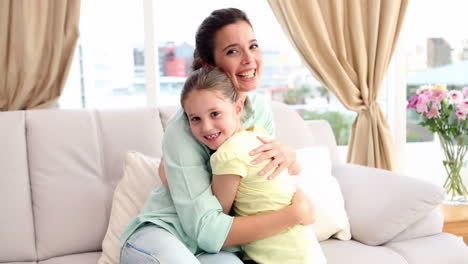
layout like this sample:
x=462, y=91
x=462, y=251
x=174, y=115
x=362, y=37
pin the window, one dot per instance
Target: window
x=434, y=48
x=109, y=64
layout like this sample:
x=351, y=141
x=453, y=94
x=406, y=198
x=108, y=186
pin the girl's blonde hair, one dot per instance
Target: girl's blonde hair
x=209, y=78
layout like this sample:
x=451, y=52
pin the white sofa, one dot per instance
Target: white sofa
x=58, y=170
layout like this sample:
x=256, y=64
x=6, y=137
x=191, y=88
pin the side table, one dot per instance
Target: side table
x=456, y=220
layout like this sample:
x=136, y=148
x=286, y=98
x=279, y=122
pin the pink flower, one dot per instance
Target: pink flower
x=455, y=96
x=460, y=114
x=421, y=105
x=437, y=95
x=412, y=101
x=463, y=106
x=424, y=90
x=434, y=112
x=465, y=91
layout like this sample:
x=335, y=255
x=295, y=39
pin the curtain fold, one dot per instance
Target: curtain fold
x=37, y=43
x=348, y=46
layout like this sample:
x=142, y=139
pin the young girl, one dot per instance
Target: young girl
x=214, y=110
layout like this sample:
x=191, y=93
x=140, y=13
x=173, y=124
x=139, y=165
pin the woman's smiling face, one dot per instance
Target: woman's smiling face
x=237, y=53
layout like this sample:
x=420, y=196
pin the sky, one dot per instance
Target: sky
x=177, y=20
x=187, y=15
x=424, y=18
x=436, y=18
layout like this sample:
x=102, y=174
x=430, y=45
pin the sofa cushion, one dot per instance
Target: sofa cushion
x=323, y=135
x=166, y=112
x=16, y=219
x=431, y=224
x=19, y=262
x=83, y=258
x=353, y=252
x=381, y=204
x=437, y=249
x=140, y=177
x=137, y=129
x=318, y=183
x=76, y=159
x=67, y=182
x=291, y=128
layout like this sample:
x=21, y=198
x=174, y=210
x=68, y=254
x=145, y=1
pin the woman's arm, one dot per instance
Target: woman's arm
x=230, y=165
x=282, y=156
x=247, y=229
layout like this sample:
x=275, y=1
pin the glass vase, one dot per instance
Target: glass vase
x=455, y=159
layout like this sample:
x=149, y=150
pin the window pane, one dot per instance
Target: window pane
x=107, y=69
x=436, y=47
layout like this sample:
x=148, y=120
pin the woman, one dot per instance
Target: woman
x=187, y=223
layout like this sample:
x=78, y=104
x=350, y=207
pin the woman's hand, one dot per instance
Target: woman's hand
x=283, y=156
x=162, y=174
x=303, y=208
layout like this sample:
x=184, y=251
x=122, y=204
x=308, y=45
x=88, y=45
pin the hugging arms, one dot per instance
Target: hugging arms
x=189, y=219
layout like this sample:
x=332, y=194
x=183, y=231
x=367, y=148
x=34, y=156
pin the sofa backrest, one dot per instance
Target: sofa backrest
x=16, y=216
x=58, y=172
x=291, y=129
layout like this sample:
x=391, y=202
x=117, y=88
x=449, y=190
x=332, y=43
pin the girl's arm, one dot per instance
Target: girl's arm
x=225, y=188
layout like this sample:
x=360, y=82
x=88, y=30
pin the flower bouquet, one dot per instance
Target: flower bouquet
x=446, y=114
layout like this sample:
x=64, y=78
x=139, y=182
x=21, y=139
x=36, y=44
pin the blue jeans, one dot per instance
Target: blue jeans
x=152, y=244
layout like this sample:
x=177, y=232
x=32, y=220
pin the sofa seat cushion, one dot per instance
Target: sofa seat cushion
x=432, y=249
x=83, y=258
x=353, y=252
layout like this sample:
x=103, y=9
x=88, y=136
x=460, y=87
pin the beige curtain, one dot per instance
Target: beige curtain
x=348, y=45
x=37, y=42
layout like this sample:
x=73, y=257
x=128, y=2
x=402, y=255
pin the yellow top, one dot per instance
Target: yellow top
x=257, y=194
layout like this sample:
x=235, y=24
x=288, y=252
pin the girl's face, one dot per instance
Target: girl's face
x=213, y=119
x=238, y=55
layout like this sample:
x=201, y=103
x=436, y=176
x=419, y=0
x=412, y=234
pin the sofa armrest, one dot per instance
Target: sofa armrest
x=431, y=224
x=382, y=204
